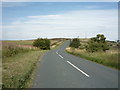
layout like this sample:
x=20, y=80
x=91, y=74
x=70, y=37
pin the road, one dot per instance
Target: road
x=58, y=69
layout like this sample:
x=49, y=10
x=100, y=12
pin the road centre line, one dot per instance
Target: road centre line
x=56, y=52
x=59, y=55
x=74, y=66
x=78, y=69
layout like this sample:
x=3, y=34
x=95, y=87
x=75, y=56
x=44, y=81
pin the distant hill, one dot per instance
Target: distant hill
x=60, y=39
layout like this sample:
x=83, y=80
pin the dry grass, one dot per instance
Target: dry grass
x=19, y=61
x=23, y=44
x=55, y=43
x=18, y=68
x=109, y=58
x=20, y=42
x=28, y=43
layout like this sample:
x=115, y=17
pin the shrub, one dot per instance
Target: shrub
x=42, y=43
x=97, y=43
x=75, y=43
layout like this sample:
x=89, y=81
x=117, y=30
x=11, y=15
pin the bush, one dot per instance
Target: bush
x=75, y=43
x=42, y=43
x=97, y=43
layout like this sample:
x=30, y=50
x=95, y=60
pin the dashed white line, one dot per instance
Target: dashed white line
x=59, y=55
x=74, y=66
x=57, y=52
x=78, y=69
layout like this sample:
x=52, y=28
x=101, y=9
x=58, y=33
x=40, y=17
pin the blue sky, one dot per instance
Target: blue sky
x=29, y=20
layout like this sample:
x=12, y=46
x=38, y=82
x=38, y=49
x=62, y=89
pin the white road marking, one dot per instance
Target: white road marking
x=57, y=52
x=59, y=55
x=78, y=69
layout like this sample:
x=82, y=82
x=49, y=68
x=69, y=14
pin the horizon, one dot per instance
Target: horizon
x=47, y=38
x=27, y=20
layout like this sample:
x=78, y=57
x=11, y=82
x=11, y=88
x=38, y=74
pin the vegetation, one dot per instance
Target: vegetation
x=19, y=62
x=17, y=70
x=10, y=48
x=97, y=43
x=99, y=50
x=75, y=43
x=43, y=44
x=109, y=58
x=56, y=42
x=20, y=42
x=11, y=51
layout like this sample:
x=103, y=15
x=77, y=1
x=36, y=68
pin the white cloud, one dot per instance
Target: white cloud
x=69, y=24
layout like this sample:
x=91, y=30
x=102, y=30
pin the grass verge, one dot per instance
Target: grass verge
x=107, y=59
x=58, y=44
x=19, y=60
x=17, y=70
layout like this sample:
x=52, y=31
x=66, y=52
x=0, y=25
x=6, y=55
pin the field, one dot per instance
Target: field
x=19, y=60
x=20, y=42
x=108, y=58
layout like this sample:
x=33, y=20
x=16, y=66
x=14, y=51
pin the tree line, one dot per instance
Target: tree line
x=95, y=44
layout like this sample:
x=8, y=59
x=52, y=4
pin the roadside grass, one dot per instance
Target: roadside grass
x=56, y=43
x=109, y=58
x=17, y=70
x=11, y=51
x=19, y=60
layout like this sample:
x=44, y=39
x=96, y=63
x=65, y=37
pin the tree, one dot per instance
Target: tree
x=97, y=43
x=75, y=43
x=42, y=43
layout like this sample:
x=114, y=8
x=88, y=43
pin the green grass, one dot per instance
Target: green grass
x=17, y=70
x=107, y=59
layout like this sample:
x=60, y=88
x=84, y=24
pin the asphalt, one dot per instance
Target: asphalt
x=58, y=69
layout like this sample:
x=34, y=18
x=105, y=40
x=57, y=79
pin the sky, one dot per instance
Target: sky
x=31, y=20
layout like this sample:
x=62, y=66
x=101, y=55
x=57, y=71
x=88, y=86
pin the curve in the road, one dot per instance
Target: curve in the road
x=58, y=69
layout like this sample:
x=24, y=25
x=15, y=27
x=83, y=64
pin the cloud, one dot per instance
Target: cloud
x=69, y=24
